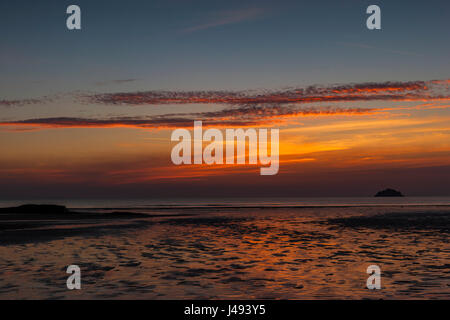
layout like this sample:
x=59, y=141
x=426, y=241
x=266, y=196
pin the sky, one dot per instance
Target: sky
x=90, y=112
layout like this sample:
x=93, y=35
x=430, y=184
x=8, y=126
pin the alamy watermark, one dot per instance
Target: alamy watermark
x=74, y=280
x=374, y=280
x=374, y=20
x=239, y=139
x=73, y=21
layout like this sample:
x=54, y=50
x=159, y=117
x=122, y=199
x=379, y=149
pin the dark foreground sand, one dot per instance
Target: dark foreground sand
x=34, y=223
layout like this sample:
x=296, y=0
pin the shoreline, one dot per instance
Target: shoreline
x=31, y=223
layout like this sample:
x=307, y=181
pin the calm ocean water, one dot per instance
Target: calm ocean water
x=235, y=202
x=237, y=249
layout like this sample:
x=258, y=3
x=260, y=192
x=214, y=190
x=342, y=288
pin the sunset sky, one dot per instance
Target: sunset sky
x=89, y=113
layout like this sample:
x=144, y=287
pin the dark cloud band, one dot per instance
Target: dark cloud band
x=397, y=91
x=245, y=116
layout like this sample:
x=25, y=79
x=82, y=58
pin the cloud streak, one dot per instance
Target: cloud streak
x=372, y=91
x=241, y=117
x=366, y=46
x=226, y=18
x=33, y=101
x=395, y=91
x=244, y=108
x=20, y=102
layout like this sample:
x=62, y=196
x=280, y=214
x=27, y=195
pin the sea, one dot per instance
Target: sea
x=237, y=248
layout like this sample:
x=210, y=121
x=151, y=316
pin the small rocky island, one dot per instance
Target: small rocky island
x=389, y=193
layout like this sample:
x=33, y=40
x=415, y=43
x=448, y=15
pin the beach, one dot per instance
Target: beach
x=230, y=250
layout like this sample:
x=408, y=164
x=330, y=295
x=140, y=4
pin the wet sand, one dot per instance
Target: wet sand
x=228, y=253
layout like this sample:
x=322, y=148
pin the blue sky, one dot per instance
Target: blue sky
x=191, y=45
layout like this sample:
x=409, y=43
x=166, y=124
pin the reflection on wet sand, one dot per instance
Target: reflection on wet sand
x=226, y=253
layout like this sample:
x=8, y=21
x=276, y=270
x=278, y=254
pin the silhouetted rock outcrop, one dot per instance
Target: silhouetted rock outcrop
x=36, y=208
x=389, y=193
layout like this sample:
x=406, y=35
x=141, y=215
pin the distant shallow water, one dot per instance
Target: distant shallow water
x=240, y=253
x=233, y=202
